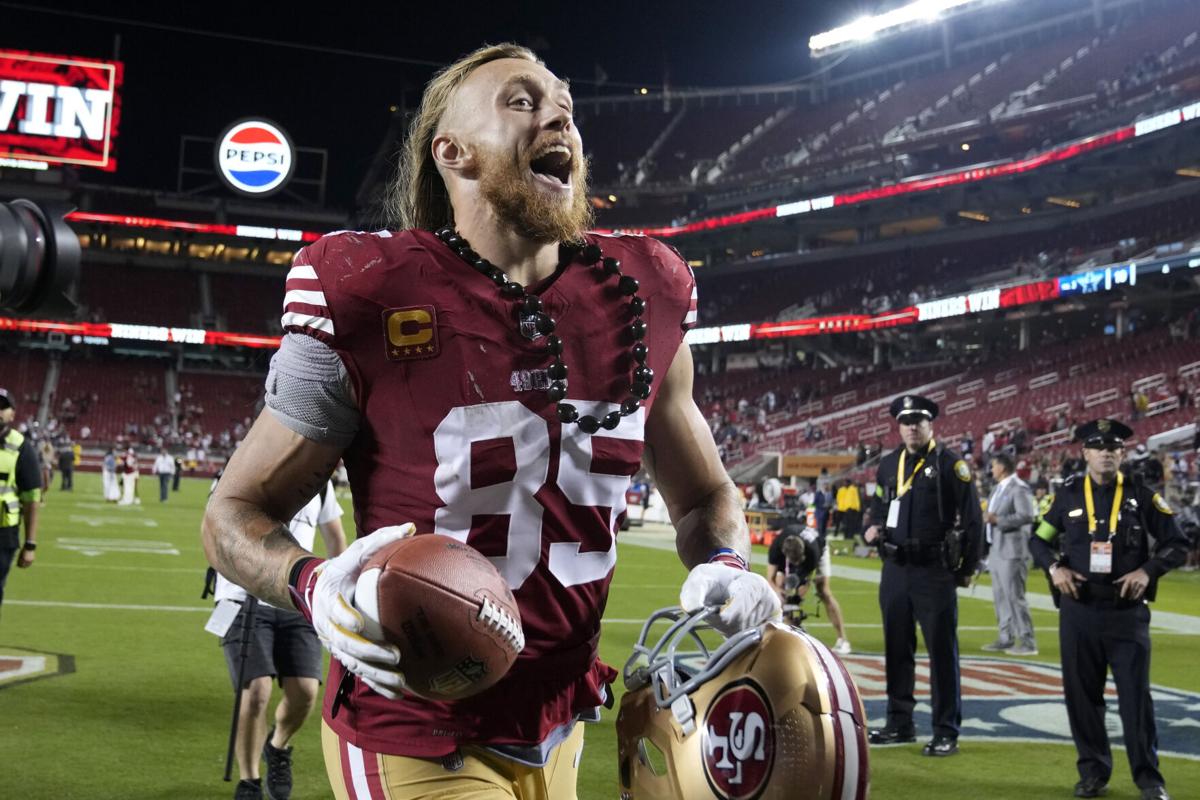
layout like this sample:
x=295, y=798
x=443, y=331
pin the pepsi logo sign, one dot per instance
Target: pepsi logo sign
x=255, y=157
x=739, y=742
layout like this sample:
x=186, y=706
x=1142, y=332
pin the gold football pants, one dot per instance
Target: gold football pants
x=357, y=774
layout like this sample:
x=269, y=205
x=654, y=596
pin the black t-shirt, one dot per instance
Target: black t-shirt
x=812, y=551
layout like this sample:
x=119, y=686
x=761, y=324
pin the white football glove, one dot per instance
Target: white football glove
x=340, y=625
x=745, y=599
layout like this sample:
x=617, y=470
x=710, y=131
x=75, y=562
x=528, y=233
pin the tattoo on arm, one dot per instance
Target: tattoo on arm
x=253, y=550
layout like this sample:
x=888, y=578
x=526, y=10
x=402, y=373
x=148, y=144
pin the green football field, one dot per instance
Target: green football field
x=116, y=691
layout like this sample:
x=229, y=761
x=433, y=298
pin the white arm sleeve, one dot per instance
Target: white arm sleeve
x=308, y=390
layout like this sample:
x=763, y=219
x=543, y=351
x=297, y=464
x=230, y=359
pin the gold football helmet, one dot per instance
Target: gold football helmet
x=769, y=714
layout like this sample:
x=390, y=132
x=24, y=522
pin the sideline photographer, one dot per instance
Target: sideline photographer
x=798, y=558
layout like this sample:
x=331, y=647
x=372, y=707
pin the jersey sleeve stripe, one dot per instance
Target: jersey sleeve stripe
x=312, y=322
x=304, y=296
x=692, y=316
x=302, y=271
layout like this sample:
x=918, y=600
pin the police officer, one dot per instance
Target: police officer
x=1105, y=542
x=926, y=522
x=20, y=491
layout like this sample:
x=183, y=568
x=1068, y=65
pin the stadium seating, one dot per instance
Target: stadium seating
x=826, y=136
x=116, y=399
x=247, y=303
x=24, y=374
x=140, y=295
x=703, y=134
x=941, y=269
x=1067, y=383
x=213, y=403
x=616, y=142
x=1119, y=55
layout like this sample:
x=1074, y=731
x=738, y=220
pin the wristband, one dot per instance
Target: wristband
x=729, y=557
x=30, y=546
x=301, y=580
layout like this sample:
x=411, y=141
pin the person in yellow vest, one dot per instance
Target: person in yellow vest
x=849, y=506
x=20, y=492
x=1044, y=499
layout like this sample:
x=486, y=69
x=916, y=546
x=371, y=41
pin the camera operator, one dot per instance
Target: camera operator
x=797, y=555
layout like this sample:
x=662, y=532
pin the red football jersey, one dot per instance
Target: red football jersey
x=458, y=436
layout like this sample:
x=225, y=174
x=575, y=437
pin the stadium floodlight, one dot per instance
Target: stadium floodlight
x=865, y=29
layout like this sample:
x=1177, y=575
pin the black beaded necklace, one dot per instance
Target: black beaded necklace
x=531, y=306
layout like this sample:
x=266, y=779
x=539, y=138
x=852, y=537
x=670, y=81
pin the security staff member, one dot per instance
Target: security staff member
x=20, y=492
x=926, y=521
x=1096, y=544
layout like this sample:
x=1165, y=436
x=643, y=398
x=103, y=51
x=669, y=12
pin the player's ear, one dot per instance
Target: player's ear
x=450, y=153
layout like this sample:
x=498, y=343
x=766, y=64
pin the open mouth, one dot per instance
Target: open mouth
x=553, y=165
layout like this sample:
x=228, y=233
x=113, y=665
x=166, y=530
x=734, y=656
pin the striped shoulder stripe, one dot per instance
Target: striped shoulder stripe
x=689, y=321
x=312, y=322
x=302, y=272
x=305, y=309
x=305, y=296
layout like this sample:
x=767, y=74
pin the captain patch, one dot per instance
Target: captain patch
x=962, y=471
x=410, y=333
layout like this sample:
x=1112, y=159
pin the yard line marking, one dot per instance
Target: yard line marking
x=95, y=547
x=106, y=606
x=1169, y=620
x=197, y=571
x=93, y=521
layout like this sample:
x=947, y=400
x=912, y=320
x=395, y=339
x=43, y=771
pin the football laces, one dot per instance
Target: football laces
x=496, y=618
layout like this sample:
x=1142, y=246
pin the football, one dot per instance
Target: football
x=449, y=611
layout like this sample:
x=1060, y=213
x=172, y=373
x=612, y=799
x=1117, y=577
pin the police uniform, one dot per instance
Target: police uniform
x=1104, y=532
x=930, y=527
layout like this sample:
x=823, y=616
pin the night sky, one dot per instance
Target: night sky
x=180, y=83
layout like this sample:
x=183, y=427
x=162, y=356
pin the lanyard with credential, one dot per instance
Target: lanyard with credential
x=902, y=486
x=1091, y=506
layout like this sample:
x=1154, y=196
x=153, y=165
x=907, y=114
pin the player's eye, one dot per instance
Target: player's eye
x=521, y=102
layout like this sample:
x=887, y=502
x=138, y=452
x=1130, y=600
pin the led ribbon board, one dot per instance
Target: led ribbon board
x=59, y=109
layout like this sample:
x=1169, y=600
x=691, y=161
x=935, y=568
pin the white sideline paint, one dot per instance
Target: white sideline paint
x=1161, y=620
x=99, y=522
x=106, y=606
x=95, y=547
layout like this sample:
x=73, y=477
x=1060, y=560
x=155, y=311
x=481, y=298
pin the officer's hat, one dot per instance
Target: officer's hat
x=5, y=399
x=915, y=405
x=1100, y=432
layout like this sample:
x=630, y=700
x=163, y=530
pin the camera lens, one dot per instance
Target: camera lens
x=39, y=258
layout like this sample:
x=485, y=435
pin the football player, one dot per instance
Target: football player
x=490, y=372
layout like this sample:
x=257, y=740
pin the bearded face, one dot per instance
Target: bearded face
x=540, y=192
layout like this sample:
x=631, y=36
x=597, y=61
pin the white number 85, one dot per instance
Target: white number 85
x=531, y=445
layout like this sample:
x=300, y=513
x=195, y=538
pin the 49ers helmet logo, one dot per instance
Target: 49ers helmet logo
x=739, y=742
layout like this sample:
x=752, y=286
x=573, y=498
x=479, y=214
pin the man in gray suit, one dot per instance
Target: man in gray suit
x=1011, y=512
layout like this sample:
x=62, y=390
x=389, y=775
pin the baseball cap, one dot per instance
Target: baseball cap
x=5, y=399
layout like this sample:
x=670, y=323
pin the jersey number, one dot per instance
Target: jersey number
x=530, y=437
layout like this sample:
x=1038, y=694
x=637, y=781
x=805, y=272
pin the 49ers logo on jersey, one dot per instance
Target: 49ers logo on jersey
x=739, y=742
x=411, y=333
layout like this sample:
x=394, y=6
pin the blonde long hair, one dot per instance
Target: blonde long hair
x=418, y=197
